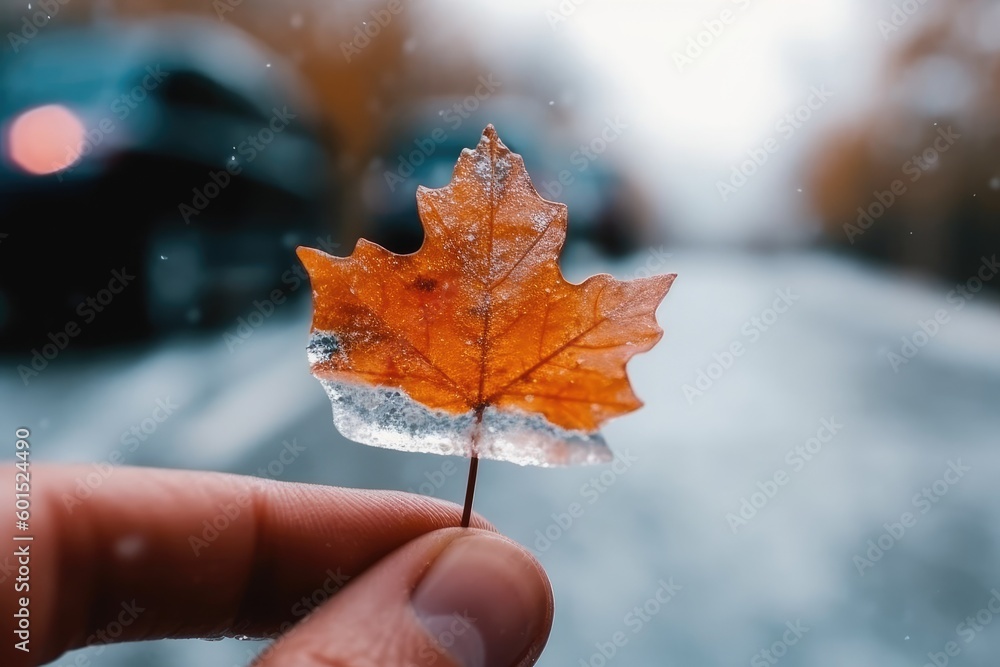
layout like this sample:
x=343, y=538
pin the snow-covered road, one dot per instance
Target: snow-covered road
x=807, y=494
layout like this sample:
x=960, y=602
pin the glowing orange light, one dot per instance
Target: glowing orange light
x=46, y=139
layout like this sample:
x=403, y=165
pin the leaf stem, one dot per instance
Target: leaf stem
x=470, y=489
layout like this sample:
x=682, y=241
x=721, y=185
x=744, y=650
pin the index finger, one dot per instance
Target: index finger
x=154, y=553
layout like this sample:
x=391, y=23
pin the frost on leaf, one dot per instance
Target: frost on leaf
x=475, y=344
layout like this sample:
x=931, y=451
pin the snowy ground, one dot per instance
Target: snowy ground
x=696, y=457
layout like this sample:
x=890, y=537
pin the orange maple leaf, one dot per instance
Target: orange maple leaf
x=475, y=344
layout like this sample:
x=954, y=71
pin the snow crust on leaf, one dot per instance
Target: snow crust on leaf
x=388, y=418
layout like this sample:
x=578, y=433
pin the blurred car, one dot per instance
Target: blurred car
x=193, y=174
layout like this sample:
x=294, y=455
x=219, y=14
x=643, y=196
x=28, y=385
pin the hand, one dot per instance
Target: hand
x=342, y=578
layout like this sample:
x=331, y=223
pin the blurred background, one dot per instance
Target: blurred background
x=824, y=177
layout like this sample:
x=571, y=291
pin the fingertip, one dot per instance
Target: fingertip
x=487, y=600
x=456, y=597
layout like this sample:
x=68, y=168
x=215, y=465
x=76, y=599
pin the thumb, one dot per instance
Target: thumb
x=452, y=598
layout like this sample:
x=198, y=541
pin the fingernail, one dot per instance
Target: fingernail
x=482, y=601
